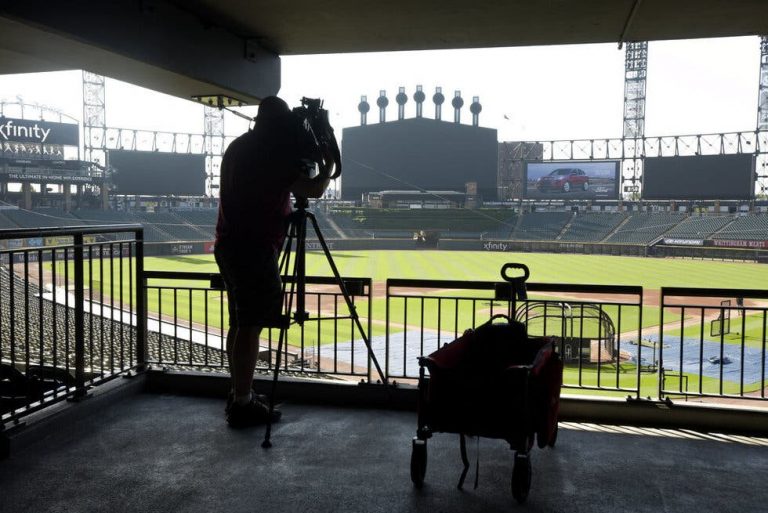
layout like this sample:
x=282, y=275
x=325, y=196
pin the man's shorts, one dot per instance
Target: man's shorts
x=254, y=289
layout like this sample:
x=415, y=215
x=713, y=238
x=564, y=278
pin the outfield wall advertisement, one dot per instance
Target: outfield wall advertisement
x=751, y=244
x=571, y=179
x=672, y=241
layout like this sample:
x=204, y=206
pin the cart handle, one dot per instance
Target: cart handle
x=512, y=265
x=497, y=317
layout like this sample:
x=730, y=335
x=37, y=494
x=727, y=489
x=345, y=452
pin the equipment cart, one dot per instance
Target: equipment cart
x=496, y=382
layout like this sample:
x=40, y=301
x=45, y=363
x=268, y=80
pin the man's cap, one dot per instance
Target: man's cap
x=272, y=107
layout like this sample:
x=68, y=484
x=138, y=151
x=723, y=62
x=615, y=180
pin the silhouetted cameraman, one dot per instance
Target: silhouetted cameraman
x=259, y=171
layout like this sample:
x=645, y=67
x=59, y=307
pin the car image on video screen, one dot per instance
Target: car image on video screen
x=571, y=179
x=564, y=179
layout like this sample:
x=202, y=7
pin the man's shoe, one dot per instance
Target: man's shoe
x=262, y=398
x=252, y=413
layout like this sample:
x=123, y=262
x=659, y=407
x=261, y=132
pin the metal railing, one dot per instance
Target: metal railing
x=594, y=325
x=715, y=344
x=70, y=317
x=77, y=308
x=190, y=322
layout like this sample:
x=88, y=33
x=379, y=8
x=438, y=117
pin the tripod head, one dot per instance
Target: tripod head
x=301, y=203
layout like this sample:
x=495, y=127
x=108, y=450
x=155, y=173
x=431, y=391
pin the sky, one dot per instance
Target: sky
x=527, y=93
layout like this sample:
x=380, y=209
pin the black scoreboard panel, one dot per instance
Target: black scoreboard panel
x=150, y=172
x=418, y=154
x=704, y=177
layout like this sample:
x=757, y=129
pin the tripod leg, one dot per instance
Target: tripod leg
x=267, y=443
x=345, y=293
x=284, y=266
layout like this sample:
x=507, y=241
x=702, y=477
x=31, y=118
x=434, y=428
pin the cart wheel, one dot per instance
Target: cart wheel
x=418, y=462
x=553, y=436
x=521, y=477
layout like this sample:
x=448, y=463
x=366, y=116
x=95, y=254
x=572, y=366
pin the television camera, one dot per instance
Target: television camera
x=318, y=142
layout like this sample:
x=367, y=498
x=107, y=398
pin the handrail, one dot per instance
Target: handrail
x=532, y=287
x=707, y=292
x=71, y=313
x=24, y=233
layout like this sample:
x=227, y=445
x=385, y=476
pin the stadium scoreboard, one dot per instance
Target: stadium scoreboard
x=699, y=177
x=418, y=154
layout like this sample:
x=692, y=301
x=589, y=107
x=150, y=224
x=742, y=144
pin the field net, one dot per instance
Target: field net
x=721, y=325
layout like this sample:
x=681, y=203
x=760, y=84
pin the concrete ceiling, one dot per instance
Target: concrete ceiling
x=232, y=47
x=332, y=26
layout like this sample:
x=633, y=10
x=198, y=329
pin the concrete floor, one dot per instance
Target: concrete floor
x=171, y=453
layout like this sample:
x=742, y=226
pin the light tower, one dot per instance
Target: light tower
x=458, y=103
x=438, y=98
x=363, y=107
x=635, y=75
x=94, y=132
x=401, y=100
x=475, y=109
x=94, y=118
x=382, y=102
x=762, y=94
x=419, y=98
x=213, y=135
x=761, y=162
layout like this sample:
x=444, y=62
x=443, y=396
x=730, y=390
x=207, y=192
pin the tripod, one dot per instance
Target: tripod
x=296, y=233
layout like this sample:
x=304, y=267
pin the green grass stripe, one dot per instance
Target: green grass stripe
x=461, y=265
x=650, y=273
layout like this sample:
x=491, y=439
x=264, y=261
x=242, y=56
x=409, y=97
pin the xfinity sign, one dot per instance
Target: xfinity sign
x=30, y=131
x=11, y=131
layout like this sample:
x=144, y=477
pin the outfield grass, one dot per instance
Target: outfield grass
x=462, y=265
x=650, y=273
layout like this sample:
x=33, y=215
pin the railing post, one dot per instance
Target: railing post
x=80, y=390
x=141, y=303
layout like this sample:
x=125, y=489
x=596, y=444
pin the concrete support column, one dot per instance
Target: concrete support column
x=26, y=189
x=104, y=198
x=67, y=198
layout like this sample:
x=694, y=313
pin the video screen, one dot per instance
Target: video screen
x=147, y=173
x=418, y=154
x=705, y=177
x=572, y=179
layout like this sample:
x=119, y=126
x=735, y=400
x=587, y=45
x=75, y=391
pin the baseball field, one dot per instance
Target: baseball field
x=650, y=273
x=447, y=317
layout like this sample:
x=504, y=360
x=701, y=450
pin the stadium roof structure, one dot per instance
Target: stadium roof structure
x=232, y=47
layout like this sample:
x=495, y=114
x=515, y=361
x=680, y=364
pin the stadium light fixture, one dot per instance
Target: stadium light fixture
x=219, y=101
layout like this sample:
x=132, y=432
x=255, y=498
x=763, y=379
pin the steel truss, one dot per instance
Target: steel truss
x=513, y=154
x=761, y=164
x=94, y=119
x=660, y=146
x=633, y=128
x=510, y=172
x=215, y=143
x=99, y=139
